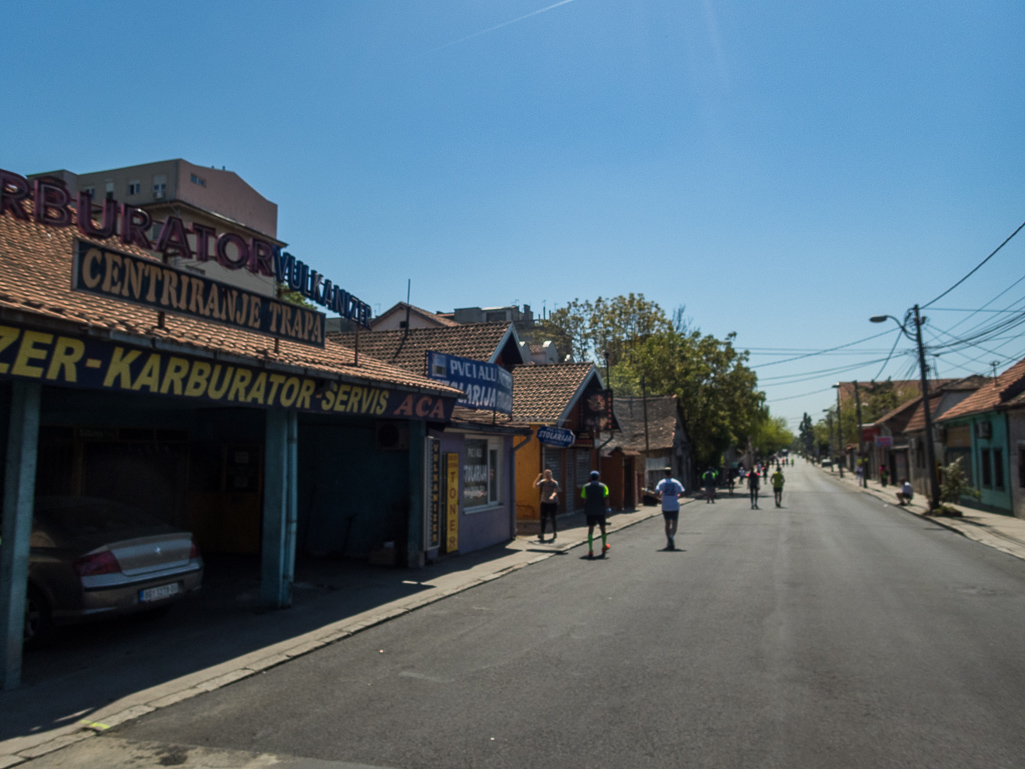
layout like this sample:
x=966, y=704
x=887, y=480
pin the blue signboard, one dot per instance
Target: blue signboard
x=556, y=436
x=486, y=385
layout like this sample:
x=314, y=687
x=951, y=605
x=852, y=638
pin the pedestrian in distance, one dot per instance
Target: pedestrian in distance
x=777, y=486
x=752, y=487
x=859, y=471
x=906, y=493
x=669, y=492
x=884, y=475
x=709, y=481
x=595, y=495
x=549, y=501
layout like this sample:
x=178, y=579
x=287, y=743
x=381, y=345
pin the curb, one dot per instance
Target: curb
x=284, y=651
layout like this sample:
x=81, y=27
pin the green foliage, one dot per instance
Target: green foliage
x=955, y=484
x=586, y=330
x=294, y=297
x=807, y=434
x=771, y=434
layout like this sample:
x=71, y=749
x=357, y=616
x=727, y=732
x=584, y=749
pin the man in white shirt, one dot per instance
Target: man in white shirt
x=906, y=492
x=669, y=492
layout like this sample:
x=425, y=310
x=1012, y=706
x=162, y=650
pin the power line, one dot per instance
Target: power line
x=977, y=266
x=885, y=362
x=821, y=352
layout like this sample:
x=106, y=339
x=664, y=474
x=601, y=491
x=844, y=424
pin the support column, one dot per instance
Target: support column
x=19, y=498
x=417, y=467
x=280, y=508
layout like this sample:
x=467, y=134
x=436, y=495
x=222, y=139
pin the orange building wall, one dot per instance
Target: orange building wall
x=528, y=465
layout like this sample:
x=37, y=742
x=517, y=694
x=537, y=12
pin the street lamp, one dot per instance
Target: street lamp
x=839, y=428
x=930, y=449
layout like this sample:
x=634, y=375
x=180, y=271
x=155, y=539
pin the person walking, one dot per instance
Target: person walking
x=884, y=475
x=709, y=480
x=669, y=491
x=549, y=501
x=859, y=471
x=594, y=495
x=777, y=486
x=752, y=487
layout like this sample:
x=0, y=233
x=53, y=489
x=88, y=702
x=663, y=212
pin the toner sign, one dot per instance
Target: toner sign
x=486, y=385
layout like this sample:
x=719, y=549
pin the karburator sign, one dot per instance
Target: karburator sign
x=131, y=224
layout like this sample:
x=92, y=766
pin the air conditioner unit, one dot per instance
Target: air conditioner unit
x=391, y=436
x=984, y=430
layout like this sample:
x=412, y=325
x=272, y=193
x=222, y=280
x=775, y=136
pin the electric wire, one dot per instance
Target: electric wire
x=979, y=265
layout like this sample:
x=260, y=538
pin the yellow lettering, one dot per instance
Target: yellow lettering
x=133, y=279
x=196, y=306
x=150, y=375
x=254, y=312
x=28, y=351
x=382, y=402
x=290, y=391
x=275, y=382
x=306, y=393
x=213, y=302
x=214, y=391
x=120, y=366
x=196, y=385
x=342, y=397
x=275, y=312
x=66, y=353
x=328, y=401
x=177, y=368
x=238, y=387
x=308, y=327
x=354, y=398
x=8, y=336
x=111, y=280
x=155, y=272
x=258, y=390
x=241, y=317
x=92, y=272
x=168, y=298
x=230, y=304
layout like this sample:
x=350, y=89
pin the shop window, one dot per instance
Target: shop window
x=481, y=483
x=998, y=468
x=987, y=473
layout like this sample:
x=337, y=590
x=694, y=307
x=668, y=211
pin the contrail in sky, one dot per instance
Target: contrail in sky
x=503, y=24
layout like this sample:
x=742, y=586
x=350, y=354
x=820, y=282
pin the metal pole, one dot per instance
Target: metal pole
x=930, y=449
x=839, y=430
x=647, y=445
x=861, y=443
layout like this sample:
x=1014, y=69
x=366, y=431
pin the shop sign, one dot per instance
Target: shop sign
x=51, y=206
x=486, y=385
x=125, y=277
x=868, y=433
x=434, y=508
x=596, y=411
x=884, y=441
x=556, y=436
x=451, y=502
x=108, y=366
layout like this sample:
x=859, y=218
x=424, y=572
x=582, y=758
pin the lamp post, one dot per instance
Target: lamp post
x=839, y=428
x=930, y=448
x=829, y=421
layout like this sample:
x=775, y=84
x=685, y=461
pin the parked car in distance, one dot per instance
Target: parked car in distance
x=96, y=558
x=826, y=462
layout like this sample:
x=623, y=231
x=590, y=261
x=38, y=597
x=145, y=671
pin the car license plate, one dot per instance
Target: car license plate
x=158, y=593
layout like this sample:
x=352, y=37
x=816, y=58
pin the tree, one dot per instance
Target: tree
x=771, y=434
x=587, y=330
x=807, y=432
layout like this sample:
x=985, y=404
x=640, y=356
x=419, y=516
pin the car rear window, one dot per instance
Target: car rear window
x=88, y=517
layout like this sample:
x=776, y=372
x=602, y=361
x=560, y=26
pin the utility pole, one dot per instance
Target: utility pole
x=829, y=421
x=930, y=447
x=839, y=429
x=861, y=443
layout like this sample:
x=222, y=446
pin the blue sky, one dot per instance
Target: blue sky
x=784, y=170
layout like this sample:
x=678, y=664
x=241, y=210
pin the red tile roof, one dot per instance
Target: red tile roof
x=543, y=393
x=413, y=309
x=408, y=348
x=35, y=284
x=995, y=393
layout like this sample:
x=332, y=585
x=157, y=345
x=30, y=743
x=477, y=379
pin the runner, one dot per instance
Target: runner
x=594, y=495
x=777, y=486
x=669, y=490
x=709, y=480
x=752, y=487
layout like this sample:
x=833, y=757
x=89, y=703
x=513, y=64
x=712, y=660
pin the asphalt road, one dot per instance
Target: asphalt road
x=834, y=632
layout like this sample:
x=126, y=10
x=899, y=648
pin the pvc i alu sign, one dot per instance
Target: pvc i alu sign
x=51, y=205
x=556, y=436
x=486, y=385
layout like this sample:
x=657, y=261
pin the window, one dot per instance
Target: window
x=110, y=190
x=197, y=180
x=134, y=187
x=481, y=473
x=160, y=186
x=998, y=468
x=583, y=467
x=987, y=473
x=90, y=190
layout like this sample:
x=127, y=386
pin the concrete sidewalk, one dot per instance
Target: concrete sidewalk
x=1001, y=532
x=76, y=705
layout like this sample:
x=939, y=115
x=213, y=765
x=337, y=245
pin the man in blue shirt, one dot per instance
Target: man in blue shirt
x=669, y=492
x=594, y=495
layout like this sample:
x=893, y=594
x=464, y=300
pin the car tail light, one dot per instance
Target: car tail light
x=193, y=552
x=97, y=563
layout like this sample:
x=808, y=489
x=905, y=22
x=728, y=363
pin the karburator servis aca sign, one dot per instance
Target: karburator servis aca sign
x=52, y=207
